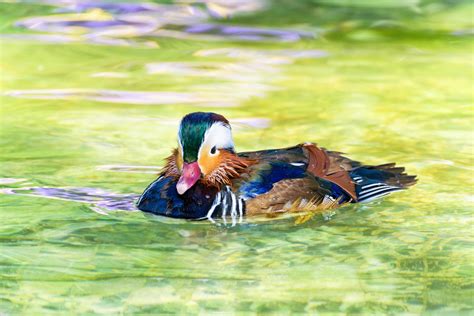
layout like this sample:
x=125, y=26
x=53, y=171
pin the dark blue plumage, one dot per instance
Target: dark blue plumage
x=273, y=172
x=205, y=177
x=161, y=198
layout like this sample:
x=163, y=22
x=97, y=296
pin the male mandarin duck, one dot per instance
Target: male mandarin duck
x=205, y=177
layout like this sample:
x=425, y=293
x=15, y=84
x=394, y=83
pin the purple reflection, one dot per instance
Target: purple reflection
x=259, y=33
x=102, y=201
x=250, y=37
x=101, y=21
x=236, y=30
x=207, y=98
x=200, y=28
x=118, y=8
x=91, y=24
x=247, y=33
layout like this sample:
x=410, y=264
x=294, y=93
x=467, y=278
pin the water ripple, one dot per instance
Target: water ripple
x=130, y=97
x=11, y=180
x=130, y=169
x=249, y=73
x=111, y=23
x=101, y=200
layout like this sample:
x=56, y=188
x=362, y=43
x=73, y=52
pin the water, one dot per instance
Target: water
x=92, y=93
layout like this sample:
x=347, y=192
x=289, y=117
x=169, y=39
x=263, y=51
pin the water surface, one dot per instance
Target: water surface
x=92, y=93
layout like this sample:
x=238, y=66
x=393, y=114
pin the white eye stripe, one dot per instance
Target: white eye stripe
x=218, y=135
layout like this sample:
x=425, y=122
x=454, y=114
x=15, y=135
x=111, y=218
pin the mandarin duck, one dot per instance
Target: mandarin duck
x=206, y=178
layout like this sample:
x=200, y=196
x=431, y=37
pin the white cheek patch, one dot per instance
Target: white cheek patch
x=219, y=135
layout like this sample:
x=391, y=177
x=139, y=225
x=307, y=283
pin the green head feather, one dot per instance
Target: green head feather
x=192, y=129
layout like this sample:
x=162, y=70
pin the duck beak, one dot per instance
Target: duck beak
x=191, y=173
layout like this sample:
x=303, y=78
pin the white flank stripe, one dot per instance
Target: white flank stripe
x=234, y=209
x=372, y=192
x=213, y=207
x=224, y=206
x=241, y=210
x=234, y=205
x=297, y=164
x=378, y=191
x=364, y=192
x=373, y=184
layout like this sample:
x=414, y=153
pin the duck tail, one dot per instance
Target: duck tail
x=375, y=181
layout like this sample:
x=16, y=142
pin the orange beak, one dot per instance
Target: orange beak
x=191, y=173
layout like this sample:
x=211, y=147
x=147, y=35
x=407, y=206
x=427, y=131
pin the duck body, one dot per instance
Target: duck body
x=217, y=182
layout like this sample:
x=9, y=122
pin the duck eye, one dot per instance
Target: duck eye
x=213, y=150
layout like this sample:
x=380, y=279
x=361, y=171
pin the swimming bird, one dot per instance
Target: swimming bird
x=205, y=177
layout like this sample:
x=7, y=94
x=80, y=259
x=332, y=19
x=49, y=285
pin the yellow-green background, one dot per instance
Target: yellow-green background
x=400, y=94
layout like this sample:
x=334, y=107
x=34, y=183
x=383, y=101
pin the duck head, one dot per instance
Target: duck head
x=205, y=150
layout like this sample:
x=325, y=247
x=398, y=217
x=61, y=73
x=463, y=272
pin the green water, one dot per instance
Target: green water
x=391, y=82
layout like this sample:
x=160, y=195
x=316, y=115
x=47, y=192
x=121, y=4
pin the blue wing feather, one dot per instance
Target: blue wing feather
x=264, y=180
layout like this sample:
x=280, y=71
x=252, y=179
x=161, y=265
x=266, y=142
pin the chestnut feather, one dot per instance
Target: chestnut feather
x=230, y=167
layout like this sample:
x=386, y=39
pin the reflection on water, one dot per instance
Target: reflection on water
x=4, y=181
x=111, y=23
x=386, y=81
x=110, y=75
x=250, y=74
x=132, y=169
x=101, y=200
x=117, y=96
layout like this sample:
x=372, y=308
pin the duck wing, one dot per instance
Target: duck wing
x=310, y=173
x=280, y=182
